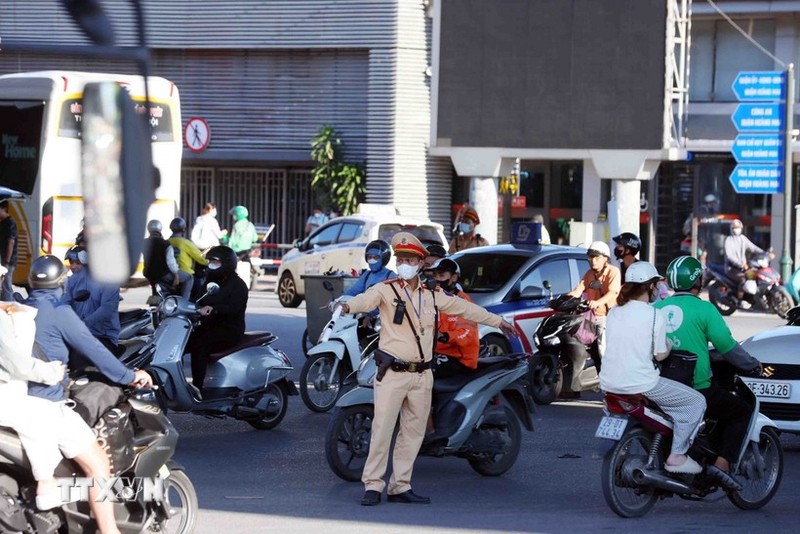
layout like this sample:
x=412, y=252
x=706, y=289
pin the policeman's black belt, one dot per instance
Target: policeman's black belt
x=386, y=361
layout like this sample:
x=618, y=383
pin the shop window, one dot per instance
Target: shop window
x=719, y=52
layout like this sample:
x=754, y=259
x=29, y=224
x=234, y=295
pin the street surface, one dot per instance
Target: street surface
x=252, y=481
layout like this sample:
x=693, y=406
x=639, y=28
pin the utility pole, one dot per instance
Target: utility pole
x=788, y=177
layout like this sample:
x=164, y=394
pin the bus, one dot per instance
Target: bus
x=40, y=155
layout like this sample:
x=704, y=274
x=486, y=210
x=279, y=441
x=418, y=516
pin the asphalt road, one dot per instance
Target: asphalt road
x=278, y=481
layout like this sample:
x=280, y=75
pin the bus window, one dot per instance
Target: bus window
x=69, y=124
x=20, y=135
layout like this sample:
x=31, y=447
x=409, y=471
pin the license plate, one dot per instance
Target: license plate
x=611, y=427
x=775, y=390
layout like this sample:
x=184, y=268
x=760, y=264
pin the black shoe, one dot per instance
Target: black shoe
x=371, y=498
x=724, y=478
x=408, y=497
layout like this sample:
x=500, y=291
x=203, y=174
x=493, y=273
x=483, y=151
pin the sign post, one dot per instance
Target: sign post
x=788, y=177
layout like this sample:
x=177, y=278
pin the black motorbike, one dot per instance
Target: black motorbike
x=762, y=288
x=140, y=442
x=559, y=352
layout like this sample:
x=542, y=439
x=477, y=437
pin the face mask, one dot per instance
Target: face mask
x=213, y=213
x=445, y=284
x=736, y=231
x=374, y=265
x=214, y=265
x=465, y=227
x=407, y=272
x=619, y=253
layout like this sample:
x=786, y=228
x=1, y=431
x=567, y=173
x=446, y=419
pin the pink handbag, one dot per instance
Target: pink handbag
x=586, y=332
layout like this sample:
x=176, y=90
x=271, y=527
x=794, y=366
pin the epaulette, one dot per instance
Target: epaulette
x=392, y=280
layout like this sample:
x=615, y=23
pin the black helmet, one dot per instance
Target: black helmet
x=629, y=240
x=177, y=225
x=379, y=248
x=46, y=272
x=435, y=249
x=226, y=256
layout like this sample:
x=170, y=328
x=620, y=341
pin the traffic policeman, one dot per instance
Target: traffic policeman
x=466, y=227
x=408, y=313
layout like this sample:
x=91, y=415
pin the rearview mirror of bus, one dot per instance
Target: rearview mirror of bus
x=118, y=180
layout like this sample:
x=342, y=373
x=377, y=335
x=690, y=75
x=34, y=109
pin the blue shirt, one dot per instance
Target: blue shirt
x=58, y=329
x=369, y=279
x=100, y=311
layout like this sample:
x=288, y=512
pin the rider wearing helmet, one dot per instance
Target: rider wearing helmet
x=636, y=334
x=96, y=304
x=244, y=233
x=601, y=285
x=627, y=247
x=222, y=314
x=188, y=255
x=693, y=323
x=160, y=265
x=458, y=344
x=737, y=247
x=377, y=254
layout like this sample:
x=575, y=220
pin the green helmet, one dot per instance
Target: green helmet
x=683, y=273
x=239, y=212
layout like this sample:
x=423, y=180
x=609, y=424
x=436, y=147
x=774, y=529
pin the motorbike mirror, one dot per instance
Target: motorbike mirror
x=81, y=296
x=531, y=292
x=211, y=288
x=119, y=179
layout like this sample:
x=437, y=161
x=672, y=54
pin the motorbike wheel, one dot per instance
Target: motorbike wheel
x=305, y=343
x=539, y=368
x=623, y=496
x=721, y=299
x=318, y=393
x=287, y=291
x=500, y=463
x=496, y=345
x=760, y=472
x=780, y=302
x=347, y=441
x=276, y=391
x=181, y=504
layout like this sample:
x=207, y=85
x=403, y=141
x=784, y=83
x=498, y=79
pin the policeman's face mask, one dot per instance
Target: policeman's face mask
x=465, y=227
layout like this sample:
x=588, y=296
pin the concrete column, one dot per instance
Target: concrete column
x=591, y=192
x=623, y=209
x=483, y=197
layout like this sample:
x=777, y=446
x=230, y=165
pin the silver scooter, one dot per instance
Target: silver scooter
x=477, y=416
x=337, y=354
x=247, y=382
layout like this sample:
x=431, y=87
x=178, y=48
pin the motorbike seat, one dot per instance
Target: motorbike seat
x=485, y=366
x=251, y=339
x=132, y=315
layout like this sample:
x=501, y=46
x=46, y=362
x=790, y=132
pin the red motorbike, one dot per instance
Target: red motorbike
x=762, y=288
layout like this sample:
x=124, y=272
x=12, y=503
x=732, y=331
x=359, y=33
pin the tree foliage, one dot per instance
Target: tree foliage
x=338, y=184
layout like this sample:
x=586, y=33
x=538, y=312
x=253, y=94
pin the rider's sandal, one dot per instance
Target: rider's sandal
x=689, y=467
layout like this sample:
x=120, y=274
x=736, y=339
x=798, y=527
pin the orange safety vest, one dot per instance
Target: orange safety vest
x=463, y=343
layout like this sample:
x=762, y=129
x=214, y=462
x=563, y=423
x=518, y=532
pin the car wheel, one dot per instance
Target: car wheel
x=287, y=291
x=496, y=345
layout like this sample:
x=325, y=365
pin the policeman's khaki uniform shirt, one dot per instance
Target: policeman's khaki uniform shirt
x=463, y=242
x=398, y=339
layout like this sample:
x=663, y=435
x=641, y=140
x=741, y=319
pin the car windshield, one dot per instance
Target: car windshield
x=427, y=234
x=484, y=273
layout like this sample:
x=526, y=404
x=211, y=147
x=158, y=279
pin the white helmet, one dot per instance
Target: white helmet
x=599, y=247
x=641, y=272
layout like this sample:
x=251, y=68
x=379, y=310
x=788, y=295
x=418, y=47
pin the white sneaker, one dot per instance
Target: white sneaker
x=689, y=467
x=745, y=305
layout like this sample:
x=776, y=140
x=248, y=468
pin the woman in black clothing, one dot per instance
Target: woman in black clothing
x=222, y=314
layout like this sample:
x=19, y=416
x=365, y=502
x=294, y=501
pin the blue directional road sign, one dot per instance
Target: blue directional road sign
x=758, y=148
x=758, y=117
x=760, y=86
x=757, y=179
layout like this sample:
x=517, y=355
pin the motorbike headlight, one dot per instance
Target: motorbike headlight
x=170, y=306
x=552, y=341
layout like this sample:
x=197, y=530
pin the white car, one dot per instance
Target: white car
x=338, y=246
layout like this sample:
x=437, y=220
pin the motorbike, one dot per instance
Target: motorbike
x=337, y=354
x=140, y=442
x=633, y=474
x=248, y=382
x=552, y=365
x=762, y=288
x=478, y=416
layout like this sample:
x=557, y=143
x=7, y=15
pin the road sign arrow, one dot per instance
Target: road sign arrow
x=759, y=118
x=759, y=86
x=757, y=179
x=758, y=148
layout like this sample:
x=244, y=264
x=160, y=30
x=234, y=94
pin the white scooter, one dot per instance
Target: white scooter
x=338, y=353
x=247, y=382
